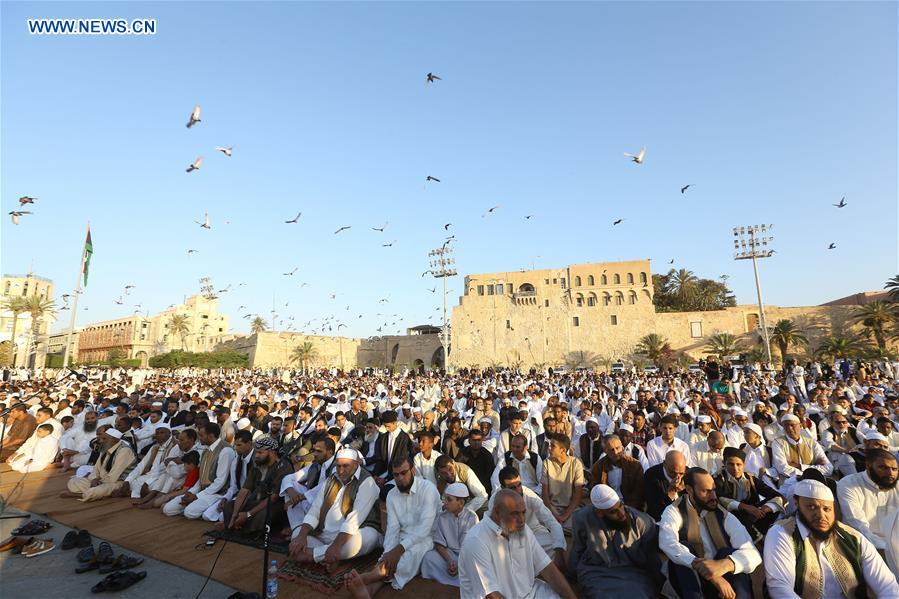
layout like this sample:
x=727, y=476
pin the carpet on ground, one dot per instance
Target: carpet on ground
x=276, y=543
x=316, y=576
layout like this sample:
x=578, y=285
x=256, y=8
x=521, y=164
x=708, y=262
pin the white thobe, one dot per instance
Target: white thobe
x=867, y=508
x=424, y=468
x=657, y=449
x=410, y=518
x=745, y=557
x=779, y=459
x=541, y=520
x=34, y=454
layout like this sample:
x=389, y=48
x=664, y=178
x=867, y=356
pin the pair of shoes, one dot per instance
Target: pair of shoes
x=34, y=527
x=16, y=544
x=119, y=581
x=38, y=547
x=104, y=554
x=122, y=562
x=87, y=554
x=76, y=538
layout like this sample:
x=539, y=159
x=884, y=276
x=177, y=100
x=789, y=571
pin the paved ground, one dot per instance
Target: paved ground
x=52, y=574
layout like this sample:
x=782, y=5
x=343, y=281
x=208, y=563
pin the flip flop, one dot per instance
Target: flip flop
x=32, y=528
x=102, y=585
x=122, y=562
x=91, y=565
x=118, y=581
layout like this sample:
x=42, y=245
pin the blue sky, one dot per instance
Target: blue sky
x=772, y=111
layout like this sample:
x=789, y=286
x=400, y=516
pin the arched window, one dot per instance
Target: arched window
x=604, y=280
x=591, y=281
x=577, y=281
x=619, y=298
x=630, y=278
x=642, y=277
x=579, y=300
x=616, y=279
x=526, y=289
x=591, y=300
x=606, y=299
x=632, y=299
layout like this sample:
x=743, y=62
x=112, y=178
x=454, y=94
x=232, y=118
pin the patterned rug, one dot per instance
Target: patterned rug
x=317, y=577
x=276, y=543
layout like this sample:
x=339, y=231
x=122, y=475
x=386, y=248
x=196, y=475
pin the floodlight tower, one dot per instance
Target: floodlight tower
x=751, y=242
x=441, y=268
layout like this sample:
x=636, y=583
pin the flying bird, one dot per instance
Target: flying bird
x=189, y=252
x=842, y=203
x=119, y=301
x=291, y=273
x=26, y=200
x=380, y=229
x=196, y=165
x=241, y=307
x=685, y=188
x=430, y=178
x=447, y=226
x=638, y=157
x=832, y=246
x=342, y=229
x=618, y=222
x=205, y=224
x=128, y=287
x=194, y=117
x=490, y=211
x=388, y=245
x=340, y=325
x=671, y=261
x=529, y=217
x=383, y=300
x=226, y=151
x=433, y=290
x=16, y=214
x=295, y=219
x=432, y=78
x=425, y=273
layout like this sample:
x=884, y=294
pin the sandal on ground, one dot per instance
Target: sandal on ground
x=104, y=553
x=122, y=562
x=87, y=554
x=32, y=528
x=91, y=565
x=118, y=581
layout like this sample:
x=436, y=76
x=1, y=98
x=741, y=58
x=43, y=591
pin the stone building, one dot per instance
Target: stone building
x=29, y=348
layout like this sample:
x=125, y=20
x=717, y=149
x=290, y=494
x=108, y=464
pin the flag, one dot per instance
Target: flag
x=86, y=257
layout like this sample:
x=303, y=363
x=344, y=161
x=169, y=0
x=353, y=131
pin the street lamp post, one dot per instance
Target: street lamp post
x=751, y=243
x=441, y=268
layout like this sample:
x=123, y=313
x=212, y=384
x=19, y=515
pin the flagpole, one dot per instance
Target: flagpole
x=65, y=358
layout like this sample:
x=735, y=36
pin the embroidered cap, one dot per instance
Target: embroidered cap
x=114, y=432
x=457, y=490
x=347, y=453
x=242, y=424
x=266, y=443
x=813, y=490
x=704, y=418
x=603, y=497
x=790, y=418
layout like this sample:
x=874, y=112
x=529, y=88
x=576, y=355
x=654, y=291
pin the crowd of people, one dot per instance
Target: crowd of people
x=504, y=484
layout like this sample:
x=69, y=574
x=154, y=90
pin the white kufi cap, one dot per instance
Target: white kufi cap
x=813, y=489
x=603, y=497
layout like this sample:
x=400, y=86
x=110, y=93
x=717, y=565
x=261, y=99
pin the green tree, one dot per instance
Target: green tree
x=656, y=349
x=304, y=353
x=582, y=359
x=179, y=324
x=722, y=345
x=837, y=347
x=682, y=284
x=682, y=291
x=784, y=334
x=16, y=305
x=39, y=308
x=258, y=325
x=876, y=316
x=116, y=356
x=893, y=285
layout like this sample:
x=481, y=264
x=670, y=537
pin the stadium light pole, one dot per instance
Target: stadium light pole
x=441, y=268
x=751, y=243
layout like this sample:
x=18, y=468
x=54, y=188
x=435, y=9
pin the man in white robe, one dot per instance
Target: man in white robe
x=299, y=489
x=869, y=500
x=36, y=452
x=152, y=465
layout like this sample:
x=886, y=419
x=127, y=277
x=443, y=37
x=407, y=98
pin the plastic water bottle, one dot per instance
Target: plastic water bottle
x=271, y=589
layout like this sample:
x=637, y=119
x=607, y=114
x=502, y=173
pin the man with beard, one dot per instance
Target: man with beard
x=794, y=452
x=75, y=447
x=151, y=466
x=869, y=500
x=711, y=459
x=589, y=445
x=411, y=509
x=246, y=513
x=621, y=472
x=501, y=557
x=299, y=489
x=449, y=471
x=710, y=553
x=615, y=549
x=814, y=556
x=839, y=441
x=749, y=498
x=104, y=479
x=528, y=464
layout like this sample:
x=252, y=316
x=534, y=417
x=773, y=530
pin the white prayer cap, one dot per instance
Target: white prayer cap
x=407, y=406
x=875, y=436
x=457, y=490
x=603, y=497
x=485, y=420
x=704, y=418
x=347, y=453
x=790, y=418
x=754, y=428
x=162, y=424
x=673, y=410
x=416, y=409
x=738, y=411
x=626, y=427
x=114, y=432
x=394, y=400
x=593, y=420
x=813, y=489
x=836, y=409
x=156, y=404
x=242, y=424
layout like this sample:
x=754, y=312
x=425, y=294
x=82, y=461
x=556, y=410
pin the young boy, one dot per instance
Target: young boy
x=191, y=462
x=450, y=528
x=38, y=451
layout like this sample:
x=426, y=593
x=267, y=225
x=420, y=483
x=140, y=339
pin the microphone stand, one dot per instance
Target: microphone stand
x=269, y=481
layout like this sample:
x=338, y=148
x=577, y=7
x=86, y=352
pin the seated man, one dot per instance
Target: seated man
x=426, y=456
x=794, y=452
x=814, y=555
x=246, y=513
x=75, y=444
x=299, y=489
x=244, y=449
x=37, y=452
x=343, y=520
x=750, y=499
x=105, y=477
x=442, y=562
x=709, y=551
x=615, y=549
x=480, y=461
x=711, y=459
x=621, y=472
x=450, y=471
x=658, y=448
x=539, y=518
x=870, y=499
x=528, y=464
x=150, y=467
x=411, y=509
x=563, y=480
x=501, y=558
x=173, y=473
x=215, y=471
x=664, y=483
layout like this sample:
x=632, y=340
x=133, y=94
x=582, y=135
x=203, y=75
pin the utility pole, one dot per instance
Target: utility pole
x=751, y=243
x=441, y=268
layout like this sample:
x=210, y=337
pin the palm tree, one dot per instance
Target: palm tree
x=722, y=345
x=16, y=305
x=655, y=347
x=754, y=355
x=784, y=334
x=836, y=347
x=893, y=285
x=303, y=353
x=875, y=353
x=257, y=325
x=682, y=283
x=582, y=359
x=179, y=324
x=876, y=316
x=39, y=308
